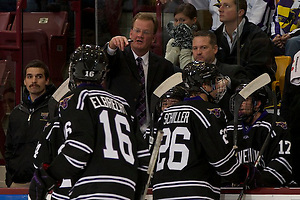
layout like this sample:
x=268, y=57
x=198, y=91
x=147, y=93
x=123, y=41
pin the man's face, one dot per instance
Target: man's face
x=142, y=35
x=228, y=11
x=246, y=108
x=203, y=50
x=35, y=81
x=167, y=102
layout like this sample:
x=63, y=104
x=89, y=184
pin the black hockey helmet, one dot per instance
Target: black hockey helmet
x=259, y=95
x=176, y=92
x=87, y=63
x=196, y=73
x=174, y=95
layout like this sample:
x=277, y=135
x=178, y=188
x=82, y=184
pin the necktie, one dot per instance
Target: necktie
x=141, y=104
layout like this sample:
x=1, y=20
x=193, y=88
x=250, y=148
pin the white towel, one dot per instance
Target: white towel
x=295, y=71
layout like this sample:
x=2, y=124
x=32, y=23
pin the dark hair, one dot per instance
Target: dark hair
x=38, y=64
x=146, y=16
x=242, y=5
x=188, y=10
x=212, y=36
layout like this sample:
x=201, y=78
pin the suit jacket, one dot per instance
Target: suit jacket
x=256, y=51
x=123, y=77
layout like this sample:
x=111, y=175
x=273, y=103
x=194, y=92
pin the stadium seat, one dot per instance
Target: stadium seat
x=282, y=63
x=4, y=20
x=35, y=45
x=55, y=25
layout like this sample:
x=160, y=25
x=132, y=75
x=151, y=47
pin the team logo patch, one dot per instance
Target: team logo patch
x=282, y=125
x=64, y=102
x=215, y=111
x=44, y=116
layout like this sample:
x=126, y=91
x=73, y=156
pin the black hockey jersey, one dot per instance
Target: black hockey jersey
x=103, y=146
x=48, y=147
x=274, y=165
x=194, y=154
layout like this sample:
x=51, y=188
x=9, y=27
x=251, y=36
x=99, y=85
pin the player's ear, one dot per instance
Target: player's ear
x=257, y=105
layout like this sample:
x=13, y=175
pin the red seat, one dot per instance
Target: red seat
x=4, y=20
x=35, y=45
x=55, y=25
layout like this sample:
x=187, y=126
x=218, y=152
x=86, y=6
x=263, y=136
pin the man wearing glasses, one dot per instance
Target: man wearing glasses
x=135, y=71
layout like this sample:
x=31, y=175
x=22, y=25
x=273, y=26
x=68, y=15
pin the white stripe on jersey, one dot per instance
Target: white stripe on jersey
x=230, y=171
x=102, y=196
x=143, y=153
x=187, y=197
x=79, y=145
x=143, y=168
x=285, y=163
x=231, y=127
x=276, y=174
x=84, y=93
x=266, y=125
x=55, y=125
x=106, y=179
x=55, y=195
x=197, y=112
x=224, y=160
x=186, y=183
x=257, y=124
x=75, y=163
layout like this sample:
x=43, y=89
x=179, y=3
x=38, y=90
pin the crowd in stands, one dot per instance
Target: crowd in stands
x=216, y=64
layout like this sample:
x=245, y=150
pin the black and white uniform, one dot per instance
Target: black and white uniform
x=48, y=147
x=275, y=164
x=194, y=154
x=103, y=146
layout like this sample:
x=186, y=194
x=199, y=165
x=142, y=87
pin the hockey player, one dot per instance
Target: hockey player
x=194, y=152
x=172, y=96
x=103, y=151
x=274, y=169
x=175, y=95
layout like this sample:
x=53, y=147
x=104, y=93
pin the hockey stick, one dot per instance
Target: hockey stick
x=254, y=85
x=169, y=83
x=152, y=162
x=62, y=90
x=265, y=144
x=57, y=95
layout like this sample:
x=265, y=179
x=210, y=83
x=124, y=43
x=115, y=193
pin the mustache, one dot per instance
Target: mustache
x=34, y=85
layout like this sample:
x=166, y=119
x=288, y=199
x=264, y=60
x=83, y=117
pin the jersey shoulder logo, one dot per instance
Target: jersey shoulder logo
x=283, y=125
x=64, y=102
x=215, y=111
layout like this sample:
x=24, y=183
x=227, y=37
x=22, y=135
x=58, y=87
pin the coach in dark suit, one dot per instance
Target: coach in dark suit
x=123, y=77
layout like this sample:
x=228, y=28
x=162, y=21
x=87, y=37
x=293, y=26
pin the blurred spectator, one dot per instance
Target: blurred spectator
x=242, y=42
x=259, y=12
x=181, y=30
x=8, y=105
x=285, y=32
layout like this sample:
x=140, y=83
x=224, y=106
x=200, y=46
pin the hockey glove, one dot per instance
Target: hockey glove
x=41, y=183
x=183, y=36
